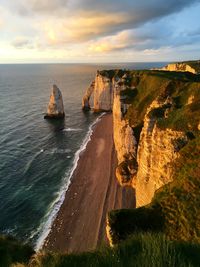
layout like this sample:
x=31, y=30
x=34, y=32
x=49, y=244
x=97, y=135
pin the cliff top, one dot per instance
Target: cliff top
x=143, y=86
x=175, y=207
x=195, y=64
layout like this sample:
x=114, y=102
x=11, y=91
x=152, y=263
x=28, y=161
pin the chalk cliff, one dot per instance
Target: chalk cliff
x=125, y=142
x=86, y=97
x=179, y=67
x=189, y=66
x=55, y=107
x=145, y=151
x=103, y=93
x=157, y=151
x=102, y=90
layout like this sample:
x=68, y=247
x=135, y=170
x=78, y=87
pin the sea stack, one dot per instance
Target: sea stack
x=55, y=108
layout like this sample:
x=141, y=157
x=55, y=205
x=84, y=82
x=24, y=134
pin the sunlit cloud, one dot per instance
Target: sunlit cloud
x=92, y=30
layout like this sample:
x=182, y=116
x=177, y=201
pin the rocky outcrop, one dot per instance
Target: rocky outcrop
x=144, y=163
x=154, y=117
x=86, y=97
x=103, y=93
x=102, y=89
x=55, y=108
x=157, y=151
x=179, y=67
x=125, y=142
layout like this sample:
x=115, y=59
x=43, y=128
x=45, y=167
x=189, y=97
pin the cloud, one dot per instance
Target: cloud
x=1, y=23
x=50, y=7
x=21, y=42
x=103, y=28
x=64, y=22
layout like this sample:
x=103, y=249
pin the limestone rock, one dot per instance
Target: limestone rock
x=157, y=151
x=179, y=67
x=146, y=163
x=125, y=142
x=86, y=97
x=103, y=93
x=55, y=108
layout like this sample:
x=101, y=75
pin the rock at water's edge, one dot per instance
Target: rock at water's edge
x=86, y=97
x=55, y=108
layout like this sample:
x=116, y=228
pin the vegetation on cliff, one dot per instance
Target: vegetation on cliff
x=167, y=231
x=174, y=209
x=195, y=64
x=12, y=251
x=142, y=250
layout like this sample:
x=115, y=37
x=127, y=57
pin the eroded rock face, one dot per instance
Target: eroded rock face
x=103, y=93
x=157, y=151
x=125, y=142
x=86, y=97
x=179, y=67
x=145, y=163
x=55, y=108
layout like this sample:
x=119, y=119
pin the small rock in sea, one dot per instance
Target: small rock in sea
x=55, y=108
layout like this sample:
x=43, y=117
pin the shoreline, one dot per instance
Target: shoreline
x=45, y=227
x=93, y=191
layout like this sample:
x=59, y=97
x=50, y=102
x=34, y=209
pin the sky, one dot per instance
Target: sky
x=71, y=31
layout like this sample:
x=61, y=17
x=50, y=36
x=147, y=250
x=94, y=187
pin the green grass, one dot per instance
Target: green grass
x=12, y=251
x=175, y=206
x=140, y=250
x=129, y=94
x=174, y=209
x=125, y=222
x=179, y=200
x=154, y=235
x=183, y=116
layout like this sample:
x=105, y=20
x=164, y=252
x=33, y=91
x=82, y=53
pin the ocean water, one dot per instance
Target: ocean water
x=37, y=156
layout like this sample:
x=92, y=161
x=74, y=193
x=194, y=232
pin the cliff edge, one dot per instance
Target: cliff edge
x=155, y=119
x=187, y=66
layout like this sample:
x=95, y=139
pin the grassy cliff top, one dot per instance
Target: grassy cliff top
x=144, y=86
x=175, y=207
x=195, y=64
x=113, y=73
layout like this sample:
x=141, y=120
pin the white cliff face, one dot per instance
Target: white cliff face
x=125, y=142
x=146, y=166
x=55, y=107
x=179, y=67
x=157, y=151
x=103, y=93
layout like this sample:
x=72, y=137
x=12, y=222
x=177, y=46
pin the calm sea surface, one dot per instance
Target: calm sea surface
x=37, y=156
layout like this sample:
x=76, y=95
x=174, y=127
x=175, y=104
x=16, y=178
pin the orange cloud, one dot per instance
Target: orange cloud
x=81, y=29
x=111, y=43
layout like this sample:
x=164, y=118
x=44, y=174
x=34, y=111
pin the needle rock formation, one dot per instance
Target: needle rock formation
x=55, y=108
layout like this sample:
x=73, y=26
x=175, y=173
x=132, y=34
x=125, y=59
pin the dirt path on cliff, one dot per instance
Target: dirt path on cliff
x=80, y=224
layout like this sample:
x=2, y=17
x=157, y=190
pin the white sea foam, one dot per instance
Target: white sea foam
x=45, y=227
x=72, y=130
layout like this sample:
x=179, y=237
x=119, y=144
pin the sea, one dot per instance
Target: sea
x=37, y=156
